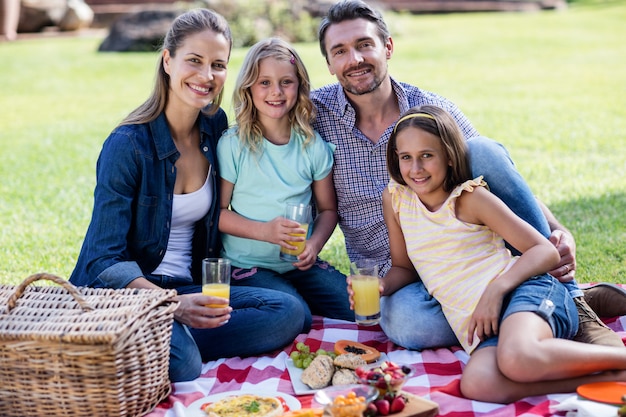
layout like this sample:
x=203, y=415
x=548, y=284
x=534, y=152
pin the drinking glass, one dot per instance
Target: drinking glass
x=216, y=279
x=364, y=276
x=300, y=213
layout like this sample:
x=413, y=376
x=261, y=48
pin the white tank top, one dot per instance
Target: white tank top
x=187, y=209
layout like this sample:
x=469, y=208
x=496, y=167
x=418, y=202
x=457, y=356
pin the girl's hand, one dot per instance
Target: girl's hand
x=193, y=311
x=381, y=289
x=307, y=258
x=485, y=319
x=279, y=230
x=350, y=291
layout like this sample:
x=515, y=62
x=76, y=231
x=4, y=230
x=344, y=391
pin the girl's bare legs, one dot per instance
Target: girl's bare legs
x=528, y=361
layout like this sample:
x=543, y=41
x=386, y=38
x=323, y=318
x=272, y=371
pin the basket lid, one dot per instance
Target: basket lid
x=74, y=314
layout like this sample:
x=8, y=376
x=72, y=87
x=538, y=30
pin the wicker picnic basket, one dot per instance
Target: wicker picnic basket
x=68, y=351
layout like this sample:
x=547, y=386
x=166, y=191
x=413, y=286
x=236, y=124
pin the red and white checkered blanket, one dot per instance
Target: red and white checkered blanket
x=436, y=378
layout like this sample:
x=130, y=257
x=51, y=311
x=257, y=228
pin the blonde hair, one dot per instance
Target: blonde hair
x=437, y=121
x=185, y=25
x=301, y=116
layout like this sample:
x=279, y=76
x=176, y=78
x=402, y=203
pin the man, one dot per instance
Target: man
x=357, y=114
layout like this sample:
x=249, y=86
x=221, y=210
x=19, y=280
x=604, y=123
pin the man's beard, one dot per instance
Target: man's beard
x=376, y=82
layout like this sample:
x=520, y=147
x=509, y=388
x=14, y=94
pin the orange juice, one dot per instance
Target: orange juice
x=366, y=299
x=217, y=290
x=292, y=255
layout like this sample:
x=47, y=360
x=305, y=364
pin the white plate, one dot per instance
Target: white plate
x=193, y=410
x=300, y=387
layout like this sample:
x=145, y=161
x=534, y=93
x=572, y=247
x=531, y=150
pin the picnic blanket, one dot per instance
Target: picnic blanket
x=436, y=377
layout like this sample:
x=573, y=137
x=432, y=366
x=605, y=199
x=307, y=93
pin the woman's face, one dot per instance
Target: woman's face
x=198, y=70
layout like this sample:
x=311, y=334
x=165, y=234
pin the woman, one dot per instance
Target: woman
x=156, y=206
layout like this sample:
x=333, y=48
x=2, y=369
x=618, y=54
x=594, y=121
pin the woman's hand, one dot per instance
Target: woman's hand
x=193, y=311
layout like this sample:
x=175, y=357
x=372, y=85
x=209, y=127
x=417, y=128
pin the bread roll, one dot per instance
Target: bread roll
x=319, y=373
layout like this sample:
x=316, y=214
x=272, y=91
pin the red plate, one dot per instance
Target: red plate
x=604, y=392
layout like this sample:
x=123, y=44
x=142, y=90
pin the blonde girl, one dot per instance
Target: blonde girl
x=270, y=157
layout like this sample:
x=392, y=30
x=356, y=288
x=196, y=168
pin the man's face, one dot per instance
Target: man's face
x=357, y=56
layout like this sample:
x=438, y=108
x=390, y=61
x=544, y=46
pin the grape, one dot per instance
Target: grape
x=306, y=362
x=302, y=356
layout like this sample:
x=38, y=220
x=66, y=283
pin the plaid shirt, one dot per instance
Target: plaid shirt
x=360, y=171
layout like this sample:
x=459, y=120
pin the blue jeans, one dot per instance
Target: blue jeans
x=411, y=317
x=322, y=290
x=262, y=321
x=529, y=295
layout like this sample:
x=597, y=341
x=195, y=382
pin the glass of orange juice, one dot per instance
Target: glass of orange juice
x=364, y=277
x=216, y=279
x=300, y=213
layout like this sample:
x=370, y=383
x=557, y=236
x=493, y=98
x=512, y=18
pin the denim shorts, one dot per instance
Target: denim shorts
x=558, y=308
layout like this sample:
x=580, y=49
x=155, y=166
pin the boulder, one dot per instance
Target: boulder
x=78, y=15
x=138, y=32
x=35, y=15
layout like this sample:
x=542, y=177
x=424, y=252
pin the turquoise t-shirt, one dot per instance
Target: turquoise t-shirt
x=264, y=183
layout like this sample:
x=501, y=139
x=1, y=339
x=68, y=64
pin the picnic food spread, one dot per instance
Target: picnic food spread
x=246, y=405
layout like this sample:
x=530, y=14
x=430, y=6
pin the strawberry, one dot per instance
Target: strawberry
x=398, y=404
x=371, y=410
x=382, y=406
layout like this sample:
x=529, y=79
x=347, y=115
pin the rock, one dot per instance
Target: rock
x=138, y=32
x=35, y=15
x=78, y=15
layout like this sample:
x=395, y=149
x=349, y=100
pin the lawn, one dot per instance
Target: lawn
x=549, y=85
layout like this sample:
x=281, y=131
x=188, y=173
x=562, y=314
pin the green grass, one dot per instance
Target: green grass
x=549, y=85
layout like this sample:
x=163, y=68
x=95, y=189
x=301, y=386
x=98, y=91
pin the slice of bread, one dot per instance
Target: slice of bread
x=345, y=376
x=319, y=373
x=349, y=361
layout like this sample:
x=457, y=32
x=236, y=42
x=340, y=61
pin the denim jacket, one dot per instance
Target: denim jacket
x=130, y=225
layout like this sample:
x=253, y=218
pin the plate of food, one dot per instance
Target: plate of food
x=295, y=372
x=244, y=403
